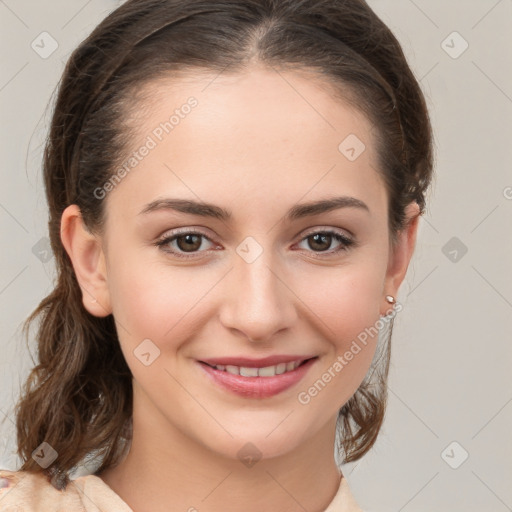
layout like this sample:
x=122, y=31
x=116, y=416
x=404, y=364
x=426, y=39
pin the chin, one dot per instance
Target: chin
x=265, y=440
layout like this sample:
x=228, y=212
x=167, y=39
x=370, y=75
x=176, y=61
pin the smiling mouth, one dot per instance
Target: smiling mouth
x=267, y=371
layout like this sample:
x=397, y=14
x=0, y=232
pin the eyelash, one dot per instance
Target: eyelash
x=346, y=243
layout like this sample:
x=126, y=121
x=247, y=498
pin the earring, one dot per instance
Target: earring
x=391, y=300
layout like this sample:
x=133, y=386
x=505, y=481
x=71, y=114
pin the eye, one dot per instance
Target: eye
x=186, y=242
x=320, y=241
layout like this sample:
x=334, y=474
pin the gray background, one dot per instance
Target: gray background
x=450, y=387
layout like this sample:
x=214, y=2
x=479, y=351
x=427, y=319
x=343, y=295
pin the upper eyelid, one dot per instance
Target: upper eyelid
x=321, y=229
x=185, y=231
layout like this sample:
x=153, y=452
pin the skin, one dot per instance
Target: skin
x=253, y=144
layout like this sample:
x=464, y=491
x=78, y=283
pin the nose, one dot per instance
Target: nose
x=258, y=302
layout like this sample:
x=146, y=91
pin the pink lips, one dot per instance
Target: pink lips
x=256, y=387
x=255, y=363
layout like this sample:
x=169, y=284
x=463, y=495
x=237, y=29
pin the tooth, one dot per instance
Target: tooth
x=248, y=372
x=290, y=366
x=268, y=371
x=280, y=368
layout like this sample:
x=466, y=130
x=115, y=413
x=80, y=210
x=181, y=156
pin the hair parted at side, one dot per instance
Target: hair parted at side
x=79, y=396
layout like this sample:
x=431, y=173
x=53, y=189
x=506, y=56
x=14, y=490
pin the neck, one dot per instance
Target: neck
x=166, y=469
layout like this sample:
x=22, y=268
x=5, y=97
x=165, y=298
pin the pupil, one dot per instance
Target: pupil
x=192, y=244
x=323, y=237
x=189, y=242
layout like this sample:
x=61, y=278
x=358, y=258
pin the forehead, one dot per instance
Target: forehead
x=264, y=135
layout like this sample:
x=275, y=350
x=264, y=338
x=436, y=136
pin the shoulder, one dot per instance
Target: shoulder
x=24, y=491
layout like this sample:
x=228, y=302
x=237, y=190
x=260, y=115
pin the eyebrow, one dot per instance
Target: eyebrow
x=211, y=210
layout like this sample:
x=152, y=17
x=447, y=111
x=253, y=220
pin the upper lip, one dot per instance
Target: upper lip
x=247, y=362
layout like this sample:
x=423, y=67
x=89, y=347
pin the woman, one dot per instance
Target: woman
x=234, y=191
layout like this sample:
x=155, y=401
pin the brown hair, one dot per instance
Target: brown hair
x=79, y=397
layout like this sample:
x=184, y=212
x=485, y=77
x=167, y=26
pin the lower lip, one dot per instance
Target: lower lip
x=257, y=387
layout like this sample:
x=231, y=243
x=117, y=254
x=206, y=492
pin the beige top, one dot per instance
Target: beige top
x=22, y=491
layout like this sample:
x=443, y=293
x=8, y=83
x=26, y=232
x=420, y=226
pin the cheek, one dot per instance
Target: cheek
x=156, y=301
x=344, y=308
x=349, y=321
x=155, y=304
x=345, y=301
x=164, y=302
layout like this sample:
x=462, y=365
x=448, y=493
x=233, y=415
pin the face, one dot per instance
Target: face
x=245, y=279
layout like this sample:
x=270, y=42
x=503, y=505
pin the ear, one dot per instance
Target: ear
x=86, y=254
x=401, y=253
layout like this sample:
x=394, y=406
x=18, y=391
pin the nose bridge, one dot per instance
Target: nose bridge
x=258, y=302
x=258, y=280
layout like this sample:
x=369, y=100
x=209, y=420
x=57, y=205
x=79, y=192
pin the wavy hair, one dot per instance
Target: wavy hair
x=79, y=396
